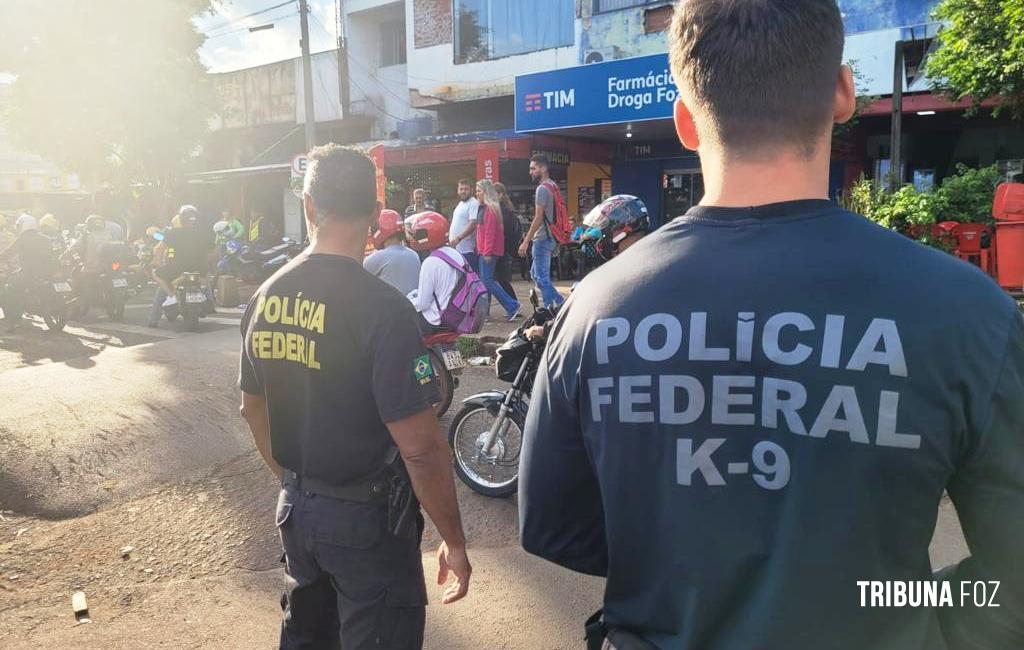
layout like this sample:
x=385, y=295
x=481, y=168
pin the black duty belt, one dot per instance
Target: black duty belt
x=372, y=491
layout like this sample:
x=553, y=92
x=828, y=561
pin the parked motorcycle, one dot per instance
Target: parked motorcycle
x=250, y=263
x=447, y=363
x=193, y=300
x=486, y=436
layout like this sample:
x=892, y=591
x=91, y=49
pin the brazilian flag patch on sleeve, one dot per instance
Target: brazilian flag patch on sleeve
x=423, y=369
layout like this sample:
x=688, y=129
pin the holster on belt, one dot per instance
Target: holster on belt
x=391, y=487
x=402, y=504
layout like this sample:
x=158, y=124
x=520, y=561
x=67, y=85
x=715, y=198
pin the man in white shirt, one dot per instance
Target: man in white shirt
x=462, y=234
x=427, y=232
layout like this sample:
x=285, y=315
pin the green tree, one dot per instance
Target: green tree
x=981, y=53
x=113, y=90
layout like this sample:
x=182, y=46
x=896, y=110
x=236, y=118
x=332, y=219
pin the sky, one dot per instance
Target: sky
x=233, y=47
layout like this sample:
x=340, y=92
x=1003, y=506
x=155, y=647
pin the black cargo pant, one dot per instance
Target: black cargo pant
x=350, y=584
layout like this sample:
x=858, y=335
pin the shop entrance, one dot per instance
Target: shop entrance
x=681, y=190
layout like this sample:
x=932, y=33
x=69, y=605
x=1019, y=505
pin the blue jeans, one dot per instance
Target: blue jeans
x=541, y=271
x=487, y=266
x=156, y=310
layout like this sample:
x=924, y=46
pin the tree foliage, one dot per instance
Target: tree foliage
x=981, y=52
x=113, y=90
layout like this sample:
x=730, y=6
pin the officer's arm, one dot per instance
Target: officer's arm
x=561, y=516
x=988, y=491
x=254, y=410
x=428, y=460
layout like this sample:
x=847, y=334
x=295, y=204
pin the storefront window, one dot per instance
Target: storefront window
x=491, y=29
x=869, y=15
x=601, y=6
x=682, y=190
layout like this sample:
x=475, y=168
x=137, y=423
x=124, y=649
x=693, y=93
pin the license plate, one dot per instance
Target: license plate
x=62, y=287
x=453, y=360
x=195, y=296
x=120, y=283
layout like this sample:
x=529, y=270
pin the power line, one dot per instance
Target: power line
x=255, y=13
x=245, y=29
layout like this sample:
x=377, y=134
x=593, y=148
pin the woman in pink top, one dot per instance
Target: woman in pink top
x=490, y=244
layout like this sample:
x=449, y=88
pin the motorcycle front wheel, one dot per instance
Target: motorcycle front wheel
x=115, y=307
x=492, y=474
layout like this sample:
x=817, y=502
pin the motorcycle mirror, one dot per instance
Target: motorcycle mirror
x=534, y=300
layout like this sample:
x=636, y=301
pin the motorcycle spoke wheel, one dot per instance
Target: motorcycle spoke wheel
x=495, y=473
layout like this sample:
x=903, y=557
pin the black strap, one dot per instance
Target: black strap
x=371, y=491
x=595, y=630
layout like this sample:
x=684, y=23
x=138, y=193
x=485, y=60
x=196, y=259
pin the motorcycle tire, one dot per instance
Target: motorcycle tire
x=115, y=308
x=190, y=318
x=475, y=482
x=445, y=384
x=57, y=319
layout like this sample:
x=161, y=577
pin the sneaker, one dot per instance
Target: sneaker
x=516, y=316
x=170, y=302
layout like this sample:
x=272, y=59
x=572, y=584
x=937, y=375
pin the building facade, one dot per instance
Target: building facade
x=471, y=88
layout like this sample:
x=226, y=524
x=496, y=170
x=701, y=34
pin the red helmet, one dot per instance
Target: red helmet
x=426, y=231
x=389, y=224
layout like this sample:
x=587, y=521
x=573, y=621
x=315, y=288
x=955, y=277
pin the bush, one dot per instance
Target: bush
x=897, y=210
x=967, y=197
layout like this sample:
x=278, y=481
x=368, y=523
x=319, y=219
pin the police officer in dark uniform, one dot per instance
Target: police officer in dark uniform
x=747, y=421
x=337, y=390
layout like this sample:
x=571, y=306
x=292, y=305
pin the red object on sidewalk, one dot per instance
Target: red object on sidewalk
x=1008, y=210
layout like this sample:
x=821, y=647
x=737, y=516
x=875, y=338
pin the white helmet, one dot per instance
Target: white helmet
x=221, y=228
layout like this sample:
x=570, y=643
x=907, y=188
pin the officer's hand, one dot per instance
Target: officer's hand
x=456, y=561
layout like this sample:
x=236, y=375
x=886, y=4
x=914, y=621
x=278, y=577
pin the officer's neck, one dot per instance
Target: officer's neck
x=743, y=181
x=339, y=238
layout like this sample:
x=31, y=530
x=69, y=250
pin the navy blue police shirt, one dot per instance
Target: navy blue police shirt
x=753, y=410
x=337, y=354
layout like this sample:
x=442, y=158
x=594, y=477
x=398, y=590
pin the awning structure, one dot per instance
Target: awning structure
x=221, y=175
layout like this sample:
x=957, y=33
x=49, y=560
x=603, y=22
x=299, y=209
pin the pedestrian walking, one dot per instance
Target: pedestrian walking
x=462, y=235
x=513, y=234
x=490, y=245
x=747, y=421
x=337, y=391
x=539, y=237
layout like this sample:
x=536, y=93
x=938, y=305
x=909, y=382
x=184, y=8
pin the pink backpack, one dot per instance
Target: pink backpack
x=470, y=303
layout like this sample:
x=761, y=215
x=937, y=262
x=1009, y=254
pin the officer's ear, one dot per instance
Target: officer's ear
x=310, y=208
x=686, y=128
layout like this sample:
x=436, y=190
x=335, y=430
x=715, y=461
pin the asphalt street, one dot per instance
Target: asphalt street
x=113, y=434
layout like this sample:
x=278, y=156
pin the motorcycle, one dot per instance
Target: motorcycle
x=447, y=363
x=107, y=290
x=486, y=436
x=251, y=264
x=193, y=300
x=48, y=300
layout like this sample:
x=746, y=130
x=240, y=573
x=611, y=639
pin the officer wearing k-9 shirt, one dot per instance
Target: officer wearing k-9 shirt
x=756, y=410
x=337, y=390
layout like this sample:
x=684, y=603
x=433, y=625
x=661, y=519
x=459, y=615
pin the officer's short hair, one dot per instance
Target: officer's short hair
x=341, y=181
x=758, y=74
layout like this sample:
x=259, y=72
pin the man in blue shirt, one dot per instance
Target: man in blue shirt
x=747, y=421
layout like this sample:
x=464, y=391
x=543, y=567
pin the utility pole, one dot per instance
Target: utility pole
x=307, y=77
x=343, y=86
x=895, y=180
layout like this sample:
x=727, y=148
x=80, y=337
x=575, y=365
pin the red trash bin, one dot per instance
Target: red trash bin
x=1010, y=255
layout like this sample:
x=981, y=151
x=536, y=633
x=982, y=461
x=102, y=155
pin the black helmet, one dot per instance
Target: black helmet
x=189, y=215
x=616, y=218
